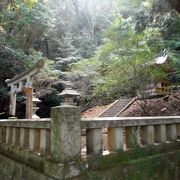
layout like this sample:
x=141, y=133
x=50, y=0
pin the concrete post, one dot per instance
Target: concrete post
x=31, y=139
x=132, y=137
x=42, y=140
x=21, y=141
x=178, y=130
x=65, y=133
x=1, y=139
x=37, y=140
x=94, y=141
x=147, y=135
x=160, y=133
x=13, y=136
x=17, y=140
x=115, y=139
x=7, y=134
x=171, y=132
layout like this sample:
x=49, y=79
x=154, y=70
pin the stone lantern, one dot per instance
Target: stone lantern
x=35, y=101
x=68, y=96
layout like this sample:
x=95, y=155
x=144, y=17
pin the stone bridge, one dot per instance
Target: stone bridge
x=68, y=147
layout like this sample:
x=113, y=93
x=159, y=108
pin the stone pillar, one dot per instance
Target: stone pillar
x=115, y=139
x=13, y=136
x=94, y=141
x=17, y=140
x=37, y=139
x=160, y=133
x=171, y=132
x=31, y=139
x=178, y=130
x=1, y=136
x=132, y=136
x=29, y=103
x=65, y=133
x=43, y=140
x=147, y=135
x=7, y=134
x=21, y=140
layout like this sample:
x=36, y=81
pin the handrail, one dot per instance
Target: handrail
x=26, y=123
x=108, y=122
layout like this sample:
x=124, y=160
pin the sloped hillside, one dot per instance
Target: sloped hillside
x=160, y=106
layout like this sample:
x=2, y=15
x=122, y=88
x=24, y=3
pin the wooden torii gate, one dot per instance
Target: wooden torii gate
x=23, y=83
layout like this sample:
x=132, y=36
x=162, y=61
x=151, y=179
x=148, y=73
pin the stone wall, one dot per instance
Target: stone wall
x=13, y=170
x=52, y=149
x=150, y=163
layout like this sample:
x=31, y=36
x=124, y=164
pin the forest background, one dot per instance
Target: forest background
x=94, y=46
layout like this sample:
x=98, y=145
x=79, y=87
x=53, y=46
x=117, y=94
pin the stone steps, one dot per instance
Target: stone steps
x=116, y=107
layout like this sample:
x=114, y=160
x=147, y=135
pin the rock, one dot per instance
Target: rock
x=164, y=109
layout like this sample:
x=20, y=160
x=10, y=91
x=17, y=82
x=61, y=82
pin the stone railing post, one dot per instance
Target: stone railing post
x=147, y=135
x=115, y=139
x=132, y=137
x=65, y=133
x=94, y=141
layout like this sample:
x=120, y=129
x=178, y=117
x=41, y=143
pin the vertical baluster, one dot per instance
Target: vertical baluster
x=171, y=132
x=17, y=140
x=147, y=133
x=1, y=136
x=48, y=141
x=42, y=140
x=115, y=138
x=4, y=134
x=37, y=140
x=10, y=138
x=178, y=130
x=94, y=141
x=26, y=138
x=31, y=139
x=21, y=137
x=160, y=133
x=7, y=134
x=132, y=136
x=13, y=136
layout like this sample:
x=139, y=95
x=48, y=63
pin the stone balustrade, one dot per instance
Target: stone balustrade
x=126, y=133
x=32, y=135
x=53, y=146
x=60, y=135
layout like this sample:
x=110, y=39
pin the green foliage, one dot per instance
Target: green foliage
x=78, y=27
x=46, y=77
x=124, y=54
x=3, y=93
x=21, y=24
x=108, y=45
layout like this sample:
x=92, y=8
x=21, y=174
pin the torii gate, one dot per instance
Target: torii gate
x=23, y=83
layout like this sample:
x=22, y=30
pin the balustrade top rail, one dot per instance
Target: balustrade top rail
x=92, y=123
x=27, y=123
x=105, y=122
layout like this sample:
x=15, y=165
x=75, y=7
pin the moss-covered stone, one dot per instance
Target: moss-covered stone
x=65, y=122
x=161, y=162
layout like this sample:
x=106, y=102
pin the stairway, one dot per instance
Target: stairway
x=117, y=107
